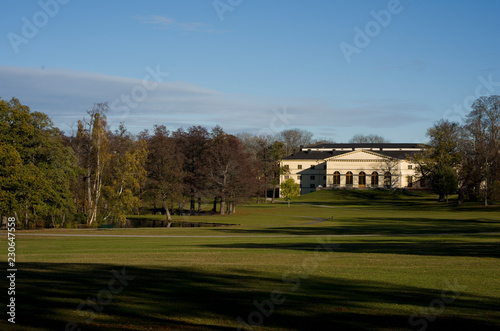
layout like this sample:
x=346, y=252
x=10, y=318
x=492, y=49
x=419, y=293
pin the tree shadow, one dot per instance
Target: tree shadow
x=422, y=247
x=378, y=226
x=164, y=298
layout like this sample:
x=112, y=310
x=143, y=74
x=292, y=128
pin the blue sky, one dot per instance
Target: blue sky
x=335, y=68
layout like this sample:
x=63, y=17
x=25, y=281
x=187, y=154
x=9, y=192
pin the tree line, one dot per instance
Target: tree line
x=465, y=159
x=98, y=176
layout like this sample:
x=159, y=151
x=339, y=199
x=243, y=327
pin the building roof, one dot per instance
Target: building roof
x=312, y=155
x=323, y=151
x=366, y=146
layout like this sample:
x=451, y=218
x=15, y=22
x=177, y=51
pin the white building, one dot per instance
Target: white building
x=333, y=166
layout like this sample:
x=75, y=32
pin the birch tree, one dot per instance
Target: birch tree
x=91, y=145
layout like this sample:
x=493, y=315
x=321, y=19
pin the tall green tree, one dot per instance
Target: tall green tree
x=441, y=153
x=36, y=168
x=444, y=180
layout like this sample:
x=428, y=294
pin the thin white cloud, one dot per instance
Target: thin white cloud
x=166, y=23
x=66, y=95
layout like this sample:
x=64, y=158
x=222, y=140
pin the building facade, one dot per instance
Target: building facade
x=353, y=166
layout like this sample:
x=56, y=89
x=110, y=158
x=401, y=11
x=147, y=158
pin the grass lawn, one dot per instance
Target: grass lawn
x=346, y=260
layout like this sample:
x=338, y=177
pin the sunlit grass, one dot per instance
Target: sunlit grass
x=398, y=258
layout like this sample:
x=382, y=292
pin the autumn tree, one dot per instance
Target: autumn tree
x=92, y=148
x=294, y=138
x=164, y=168
x=483, y=128
x=276, y=152
x=229, y=169
x=194, y=145
x=263, y=158
x=289, y=190
x=124, y=177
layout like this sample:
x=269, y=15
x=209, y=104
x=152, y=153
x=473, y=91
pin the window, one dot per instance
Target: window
x=313, y=166
x=348, y=178
x=374, y=179
x=362, y=179
x=387, y=179
x=299, y=166
x=299, y=177
x=312, y=177
x=286, y=177
x=312, y=186
x=409, y=179
x=410, y=166
x=336, y=178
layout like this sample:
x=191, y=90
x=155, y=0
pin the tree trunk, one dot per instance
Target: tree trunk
x=214, y=209
x=461, y=197
x=234, y=208
x=167, y=212
x=265, y=194
x=222, y=206
x=461, y=190
x=191, y=207
x=26, y=216
x=199, y=205
x=274, y=193
x=288, y=203
x=441, y=197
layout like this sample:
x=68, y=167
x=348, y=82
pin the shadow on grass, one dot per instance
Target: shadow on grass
x=406, y=200
x=377, y=225
x=48, y=295
x=426, y=248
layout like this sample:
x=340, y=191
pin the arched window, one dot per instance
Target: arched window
x=348, y=178
x=374, y=179
x=336, y=178
x=362, y=179
x=387, y=179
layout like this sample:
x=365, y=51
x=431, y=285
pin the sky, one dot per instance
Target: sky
x=335, y=68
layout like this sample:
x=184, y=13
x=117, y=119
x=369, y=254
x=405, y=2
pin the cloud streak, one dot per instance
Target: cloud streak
x=66, y=95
